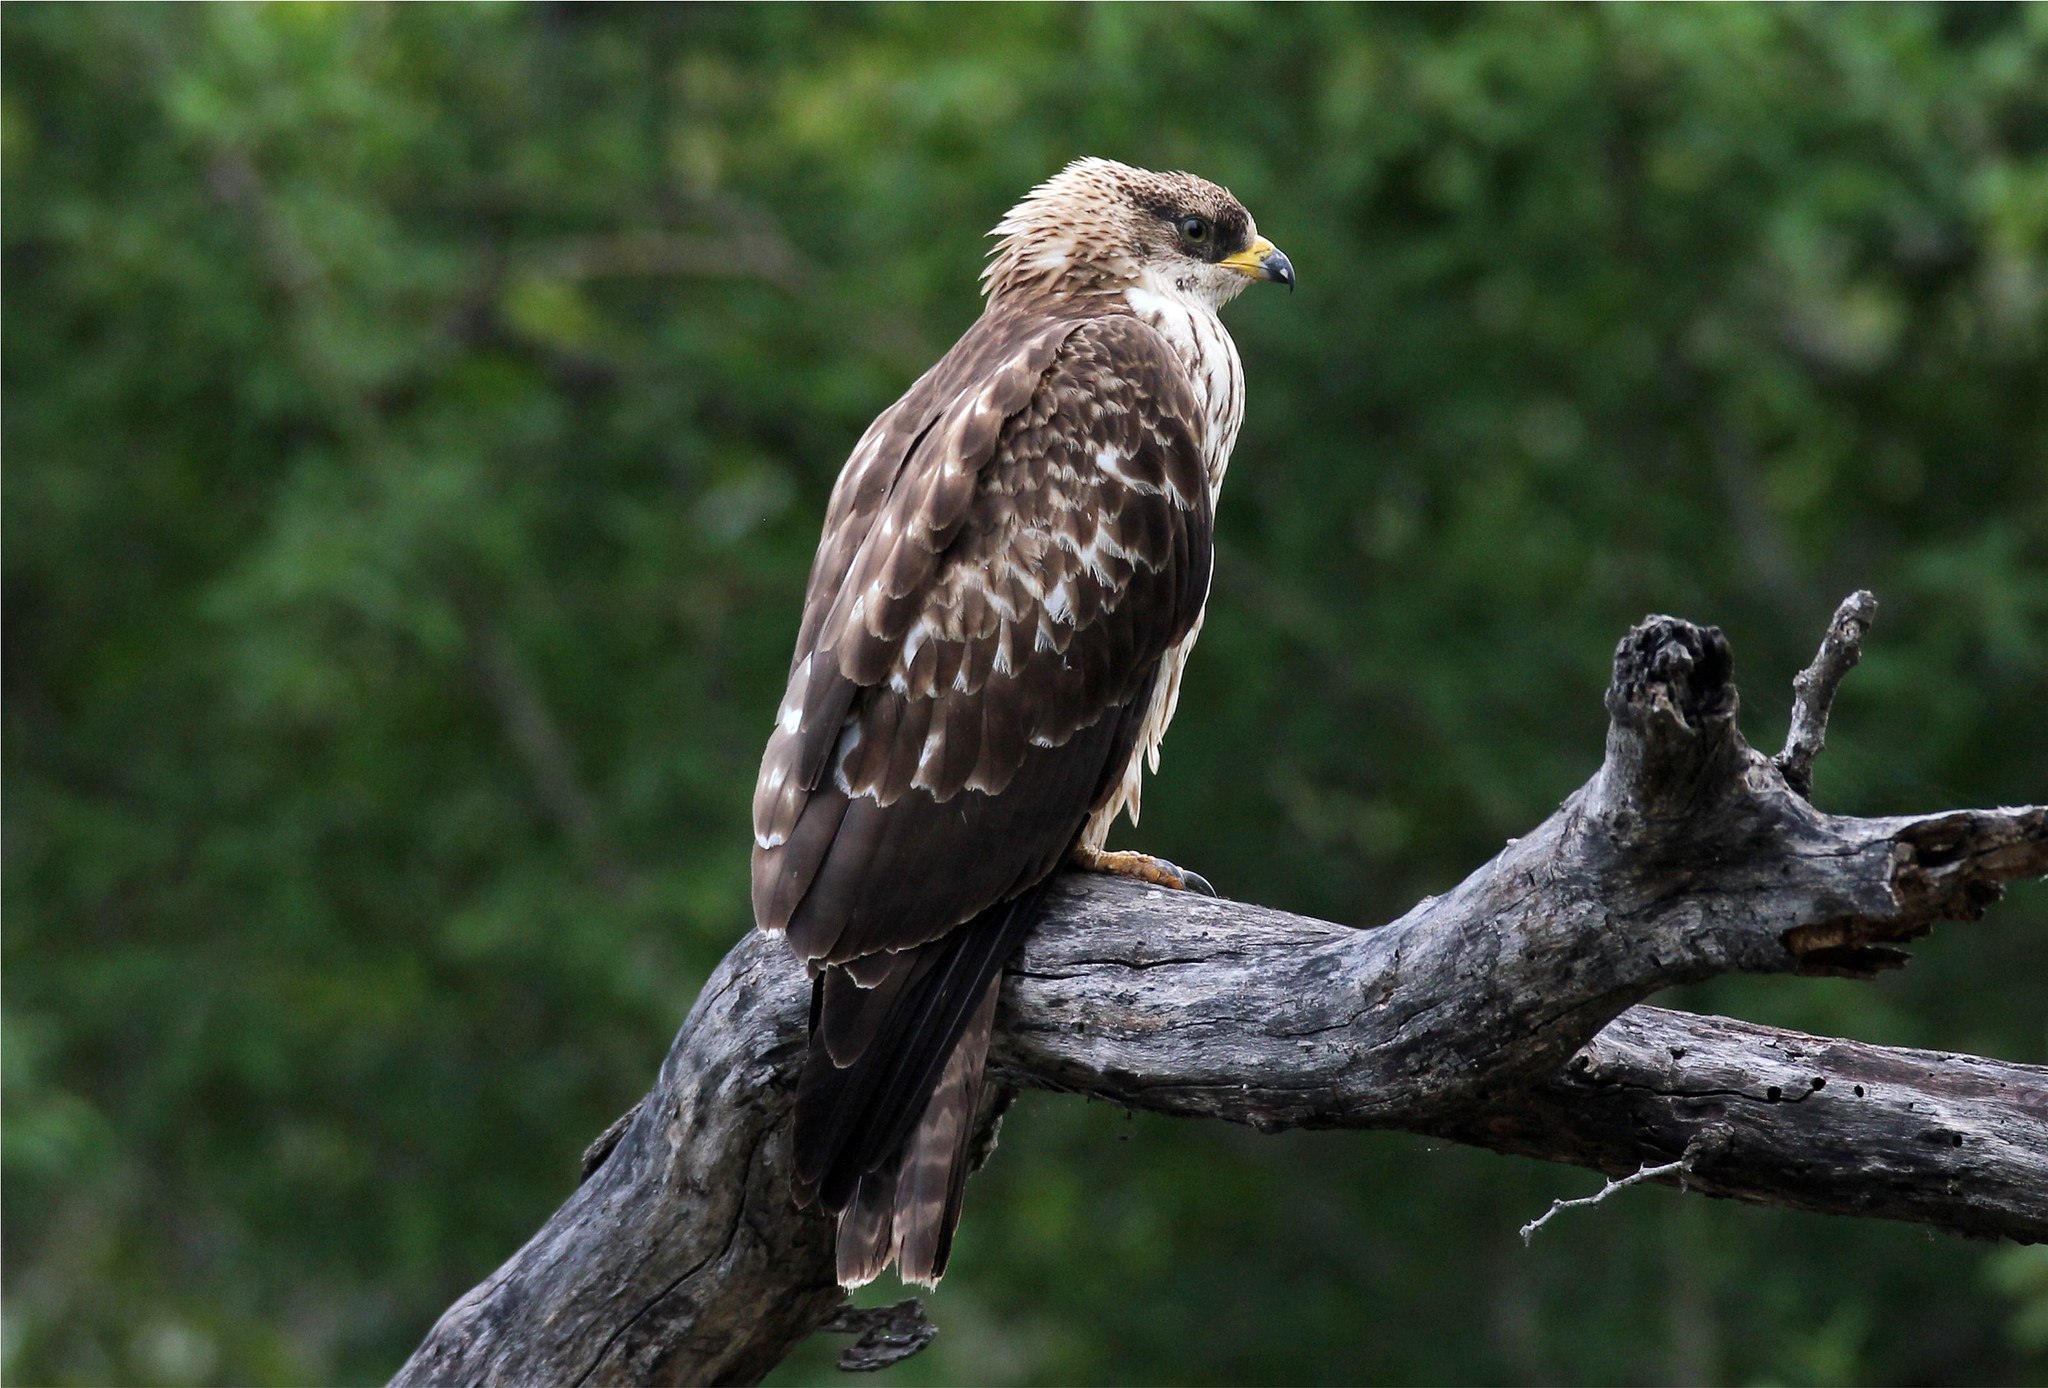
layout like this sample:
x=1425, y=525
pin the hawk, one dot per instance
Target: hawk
x=1013, y=568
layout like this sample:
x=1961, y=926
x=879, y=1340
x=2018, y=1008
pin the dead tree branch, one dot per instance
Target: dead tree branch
x=1775, y=1117
x=1500, y=1013
x=1814, y=689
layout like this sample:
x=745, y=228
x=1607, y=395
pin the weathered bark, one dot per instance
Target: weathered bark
x=1777, y=1118
x=1499, y=1014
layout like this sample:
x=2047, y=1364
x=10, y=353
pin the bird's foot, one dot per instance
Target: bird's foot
x=1144, y=867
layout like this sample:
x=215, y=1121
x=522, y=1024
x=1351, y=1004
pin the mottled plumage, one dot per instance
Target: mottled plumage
x=1013, y=567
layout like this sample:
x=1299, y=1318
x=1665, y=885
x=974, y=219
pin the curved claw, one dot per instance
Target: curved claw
x=1142, y=867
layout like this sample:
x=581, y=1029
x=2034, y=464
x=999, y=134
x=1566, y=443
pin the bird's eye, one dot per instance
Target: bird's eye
x=1194, y=230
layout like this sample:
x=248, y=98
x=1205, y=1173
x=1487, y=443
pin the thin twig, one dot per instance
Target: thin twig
x=1814, y=689
x=1648, y=1173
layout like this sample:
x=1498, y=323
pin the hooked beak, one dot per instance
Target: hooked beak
x=1262, y=260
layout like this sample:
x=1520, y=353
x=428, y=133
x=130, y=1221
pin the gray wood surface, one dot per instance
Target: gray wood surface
x=1500, y=1014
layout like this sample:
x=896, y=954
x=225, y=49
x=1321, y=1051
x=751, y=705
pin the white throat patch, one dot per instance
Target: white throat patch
x=1184, y=314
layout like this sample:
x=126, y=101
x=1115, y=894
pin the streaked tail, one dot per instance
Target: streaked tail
x=886, y=1106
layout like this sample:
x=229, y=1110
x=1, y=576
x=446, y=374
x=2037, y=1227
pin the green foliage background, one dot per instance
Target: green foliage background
x=417, y=426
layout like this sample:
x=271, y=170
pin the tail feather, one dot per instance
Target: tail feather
x=883, y=1139
x=867, y=1230
x=931, y=1180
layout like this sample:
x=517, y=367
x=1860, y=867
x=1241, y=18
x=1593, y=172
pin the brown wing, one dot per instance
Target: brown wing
x=1012, y=549
x=1044, y=538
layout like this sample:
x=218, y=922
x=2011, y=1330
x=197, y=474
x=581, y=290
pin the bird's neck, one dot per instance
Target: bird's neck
x=1189, y=323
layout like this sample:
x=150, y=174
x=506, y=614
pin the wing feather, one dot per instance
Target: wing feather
x=1008, y=555
x=1036, y=552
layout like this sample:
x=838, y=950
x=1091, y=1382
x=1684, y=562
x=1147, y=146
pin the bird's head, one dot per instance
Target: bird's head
x=1098, y=226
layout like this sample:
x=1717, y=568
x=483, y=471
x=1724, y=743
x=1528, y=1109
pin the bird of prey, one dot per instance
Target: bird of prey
x=1013, y=568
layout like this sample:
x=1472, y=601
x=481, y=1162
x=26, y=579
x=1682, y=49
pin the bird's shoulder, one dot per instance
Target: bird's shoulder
x=1056, y=363
x=1065, y=454
x=1023, y=385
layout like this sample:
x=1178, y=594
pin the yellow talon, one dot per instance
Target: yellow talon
x=1142, y=867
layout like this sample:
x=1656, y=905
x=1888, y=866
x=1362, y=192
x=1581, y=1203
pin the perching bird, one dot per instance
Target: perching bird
x=1014, y=565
